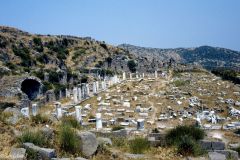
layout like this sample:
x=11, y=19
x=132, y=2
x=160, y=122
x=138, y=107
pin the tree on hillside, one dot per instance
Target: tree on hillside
x=132, y=65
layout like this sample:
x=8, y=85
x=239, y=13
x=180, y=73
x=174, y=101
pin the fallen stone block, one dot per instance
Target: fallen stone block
x=157, y=139
x=44, y=153
x=230, y=154
x=18, y=153
x=80, y=158
x=89, y=143
x=61, y=159
x=104, y=141
x=47, y=153
x=134, y=156
x=216, y=156
x=218, y=145
x=212, y=145
x=120, y=133
x=205, y=144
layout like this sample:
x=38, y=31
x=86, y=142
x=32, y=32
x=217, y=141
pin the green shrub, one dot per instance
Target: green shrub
x=116, y=128
x=68, y=140
x=39, y=74
x=4, y=105
x=99, y=64
x=109, y=61
x=119, y=142
x=71, y=121
x=24, y=54
x=54, y=76
x=58, y=87
x=35, y=137
x=39, y=119
x=174, y=136
x=37, y=41
x=47, y=86
x=138, y=145
x=43, y=58
x=3, y=41
x=104, y=46
x=179, y=83
x=176, y=74
x=78, y=53
x=11, y=66
x=109, y=72
x=132, y=65
x=188, y=146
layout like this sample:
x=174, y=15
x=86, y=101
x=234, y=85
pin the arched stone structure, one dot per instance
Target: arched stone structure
x=31, y=86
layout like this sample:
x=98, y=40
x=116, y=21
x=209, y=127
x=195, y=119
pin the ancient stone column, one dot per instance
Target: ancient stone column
x=143, y=75
x=79, y=93
x=58, y=109
x=140, y=124
x=156, y=74
x=60, y=94
x=94, y=88
x=67, y=93
x=98, y=121
x=78, y=113
x=87, y=89
x=130, y=75
x=75, y=95
x=103, y=85
x=34, y=109
x=83, y=90
x=97, y=86
x=137, y=75
x=124, y=76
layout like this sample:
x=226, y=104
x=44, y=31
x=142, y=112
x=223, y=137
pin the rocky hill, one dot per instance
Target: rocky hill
x=22, y=52
x=58, y=62
x=208, y=57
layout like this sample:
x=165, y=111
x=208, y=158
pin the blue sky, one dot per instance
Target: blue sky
x=148, y=23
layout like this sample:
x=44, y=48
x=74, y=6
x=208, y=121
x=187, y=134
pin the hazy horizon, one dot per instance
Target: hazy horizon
x=154, y=24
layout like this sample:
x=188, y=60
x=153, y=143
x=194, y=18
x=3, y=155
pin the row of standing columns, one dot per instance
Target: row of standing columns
x=82, y=91
x=137, y=75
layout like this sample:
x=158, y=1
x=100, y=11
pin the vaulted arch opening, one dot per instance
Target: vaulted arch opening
x=31, y=88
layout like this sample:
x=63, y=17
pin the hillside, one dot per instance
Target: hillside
x=23, y=52
x=208, y=57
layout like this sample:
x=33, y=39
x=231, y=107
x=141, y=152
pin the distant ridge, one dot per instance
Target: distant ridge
x=209, y=57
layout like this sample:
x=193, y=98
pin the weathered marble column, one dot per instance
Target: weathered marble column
x=78, y=113
x=87, y=90
x=75, y=95
x=97, y=86
x=98, y=121
x=137, y=75
x=140, y=124
x=79, y=91
x=34, y=109
x=156, y=74
x=58, y=109
x=124, y=76
x=94, y=88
